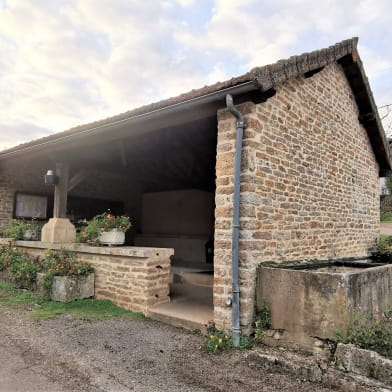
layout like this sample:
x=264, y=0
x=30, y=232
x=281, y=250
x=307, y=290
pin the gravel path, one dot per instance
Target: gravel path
x=121, y=355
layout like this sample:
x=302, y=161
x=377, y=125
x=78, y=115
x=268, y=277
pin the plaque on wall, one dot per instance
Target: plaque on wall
x=30, y=206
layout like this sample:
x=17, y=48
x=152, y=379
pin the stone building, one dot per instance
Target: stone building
x=313, y=150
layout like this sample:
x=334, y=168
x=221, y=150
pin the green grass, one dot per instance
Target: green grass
x=41, y=308
x=386, y=217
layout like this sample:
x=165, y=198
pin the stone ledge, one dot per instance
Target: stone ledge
x=128, y=251
x=313, y=369
x=363, y=362
x=5, y=241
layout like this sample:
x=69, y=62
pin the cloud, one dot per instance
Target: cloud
x=67, y=62
x=18, y=133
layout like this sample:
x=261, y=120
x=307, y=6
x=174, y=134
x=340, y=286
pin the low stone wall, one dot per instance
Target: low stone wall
x=131, y=277
x=363, y=362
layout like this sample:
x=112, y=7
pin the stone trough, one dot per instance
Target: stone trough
x=310, y=303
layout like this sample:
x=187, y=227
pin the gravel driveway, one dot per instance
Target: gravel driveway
x=64, y=354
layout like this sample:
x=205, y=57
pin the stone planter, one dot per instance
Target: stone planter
x=112, y=237
x=68, y=288
x=29, y=235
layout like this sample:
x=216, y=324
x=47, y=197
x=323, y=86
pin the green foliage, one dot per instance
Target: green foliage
x=386, y=217
x=86, y=309
x=7, y=253
x=16, y=228
x=42, y=308
x=262, y=322
x=371, y=330
x=383, y=250
x=217, y=341
x=24, y=273
x=88, y=233
x=90, y=230
x=22, y=269
x=388, y=184
x=196, y=332
x=18, y=298
x=62, y=263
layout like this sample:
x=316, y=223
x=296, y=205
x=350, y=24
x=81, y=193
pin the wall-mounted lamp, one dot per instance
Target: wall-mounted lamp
x=51, y=178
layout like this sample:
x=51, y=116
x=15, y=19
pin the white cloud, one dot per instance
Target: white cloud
x=67, y=62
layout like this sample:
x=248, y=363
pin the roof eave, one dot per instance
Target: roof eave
x=189, y=104
x=368, y=113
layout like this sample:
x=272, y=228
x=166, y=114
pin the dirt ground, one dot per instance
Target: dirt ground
x=64, y=354
x=386, y=228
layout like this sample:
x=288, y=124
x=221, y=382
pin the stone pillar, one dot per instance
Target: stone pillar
x=224, y=216
x=58, y=230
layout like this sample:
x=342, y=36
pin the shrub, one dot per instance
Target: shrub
x=16, y=228
x=262, y=322
x=62, y=263
x=217, y=341
x=383, y=250
x=386, y=217
x=24, y=272
x=22, y=269
x=370, y=330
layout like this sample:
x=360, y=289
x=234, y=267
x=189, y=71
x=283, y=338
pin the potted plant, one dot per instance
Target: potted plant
x=65, y=278
x=104, y=229
x=19, y=229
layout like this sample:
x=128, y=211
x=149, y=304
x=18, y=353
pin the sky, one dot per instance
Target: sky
x=68, y=62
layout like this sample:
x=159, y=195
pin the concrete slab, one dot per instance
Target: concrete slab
x=190, y=307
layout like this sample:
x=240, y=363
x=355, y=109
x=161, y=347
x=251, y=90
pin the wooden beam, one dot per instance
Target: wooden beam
x=61, y=190
x=77, y=179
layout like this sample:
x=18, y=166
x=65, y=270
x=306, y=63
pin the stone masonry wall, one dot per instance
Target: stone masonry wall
x=133, y=278
x=309, y=184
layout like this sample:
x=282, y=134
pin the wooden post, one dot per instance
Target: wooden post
x=61, y=190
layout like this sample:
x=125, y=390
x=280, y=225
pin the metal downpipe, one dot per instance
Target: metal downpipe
x=236, y=329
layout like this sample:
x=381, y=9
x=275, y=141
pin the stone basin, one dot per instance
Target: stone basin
x=309, y=303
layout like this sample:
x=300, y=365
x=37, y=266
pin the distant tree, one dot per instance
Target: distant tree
x=388, y=184
x=386, y=118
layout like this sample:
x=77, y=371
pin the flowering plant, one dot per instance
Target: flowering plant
x=17, y=227
x=107, y=221
x=90, y=230
x=370, y=329
x=21, y=268
x=62, y=263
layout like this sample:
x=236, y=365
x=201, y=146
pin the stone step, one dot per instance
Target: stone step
x=185, y=314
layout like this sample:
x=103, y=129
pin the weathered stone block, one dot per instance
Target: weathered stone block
x=68, y=288
x=363, y=362
x=316, y=303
